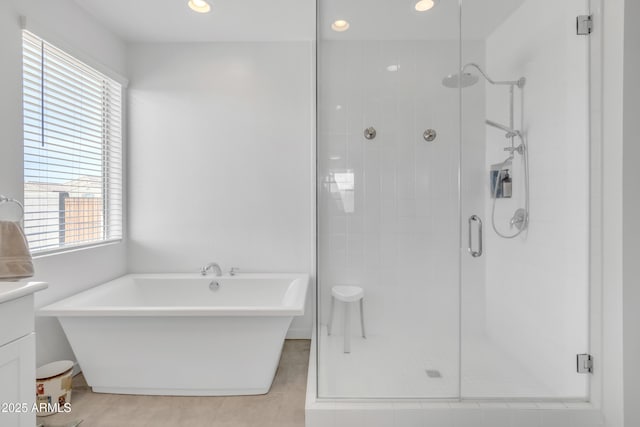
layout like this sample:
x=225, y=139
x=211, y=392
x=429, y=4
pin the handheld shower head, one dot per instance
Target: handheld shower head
x=510, y=132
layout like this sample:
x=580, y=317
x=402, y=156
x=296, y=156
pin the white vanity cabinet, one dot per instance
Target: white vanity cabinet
x=17, y=354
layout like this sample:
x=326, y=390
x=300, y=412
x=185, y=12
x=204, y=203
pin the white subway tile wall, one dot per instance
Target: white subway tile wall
x=388, y=215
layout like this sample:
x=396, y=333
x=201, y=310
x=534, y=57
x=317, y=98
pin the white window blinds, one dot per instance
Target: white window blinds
x=72, y=150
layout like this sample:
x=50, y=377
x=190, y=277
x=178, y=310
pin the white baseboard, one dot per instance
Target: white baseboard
x=298, y=334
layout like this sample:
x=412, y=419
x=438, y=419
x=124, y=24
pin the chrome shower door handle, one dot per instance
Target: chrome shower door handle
x=472, y=219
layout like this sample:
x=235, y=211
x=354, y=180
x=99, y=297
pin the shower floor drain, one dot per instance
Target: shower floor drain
x=432, y=373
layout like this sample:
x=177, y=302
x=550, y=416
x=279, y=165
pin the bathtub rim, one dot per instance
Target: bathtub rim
x=62, y=307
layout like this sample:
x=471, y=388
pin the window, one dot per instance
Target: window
x=72, y=150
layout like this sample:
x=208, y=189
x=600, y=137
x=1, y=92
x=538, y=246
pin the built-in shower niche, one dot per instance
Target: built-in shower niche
x=500, y=182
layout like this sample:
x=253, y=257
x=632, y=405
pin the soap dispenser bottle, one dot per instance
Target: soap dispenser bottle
x=506, y=184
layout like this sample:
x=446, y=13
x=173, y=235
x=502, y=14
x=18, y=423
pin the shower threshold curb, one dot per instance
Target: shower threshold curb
x=326, y=412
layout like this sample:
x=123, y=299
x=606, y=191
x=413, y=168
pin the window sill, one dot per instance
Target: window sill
x=53, y=252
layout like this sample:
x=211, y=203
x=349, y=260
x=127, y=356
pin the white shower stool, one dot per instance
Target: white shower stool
x=347, y=294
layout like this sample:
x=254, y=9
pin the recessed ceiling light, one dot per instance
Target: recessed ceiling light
x=340, y=25
x=424, y=5
x=199, y=6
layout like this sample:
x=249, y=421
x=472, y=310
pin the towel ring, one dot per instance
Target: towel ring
x=5, y=199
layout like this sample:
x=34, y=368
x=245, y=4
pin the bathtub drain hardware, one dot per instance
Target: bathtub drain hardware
x=214, y=286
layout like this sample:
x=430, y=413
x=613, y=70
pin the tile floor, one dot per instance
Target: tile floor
x=384, y=372
x=283, y=406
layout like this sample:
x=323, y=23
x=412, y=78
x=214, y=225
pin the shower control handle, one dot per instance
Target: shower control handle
x=472, y=219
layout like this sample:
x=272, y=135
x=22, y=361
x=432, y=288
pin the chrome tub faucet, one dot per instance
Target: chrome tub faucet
x=212, y=266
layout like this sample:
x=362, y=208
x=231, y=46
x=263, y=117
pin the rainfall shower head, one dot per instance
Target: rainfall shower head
x=455, y=81
x=465, y=79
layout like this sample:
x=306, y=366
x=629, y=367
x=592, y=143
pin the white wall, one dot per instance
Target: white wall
x=631, y=213
x=63, y=23
x=538, y=283
x=220, y=158
x=613, y=19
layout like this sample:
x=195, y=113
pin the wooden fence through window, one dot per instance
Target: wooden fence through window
x=83, y=220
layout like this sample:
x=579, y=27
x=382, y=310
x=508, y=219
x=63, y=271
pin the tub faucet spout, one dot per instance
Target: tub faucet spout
x=212, y=266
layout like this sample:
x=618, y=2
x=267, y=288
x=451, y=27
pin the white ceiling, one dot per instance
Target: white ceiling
x=229, y=20
x=269, y=20
x=398, y=20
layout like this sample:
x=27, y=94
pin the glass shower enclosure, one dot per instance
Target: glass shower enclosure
x=452, y=199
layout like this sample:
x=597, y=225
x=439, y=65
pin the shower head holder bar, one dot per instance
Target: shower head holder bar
x=519, y=83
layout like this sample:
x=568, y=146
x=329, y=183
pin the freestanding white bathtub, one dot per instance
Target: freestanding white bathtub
x=181, y=334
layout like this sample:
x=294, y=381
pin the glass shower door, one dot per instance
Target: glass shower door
x=525, y=178
x=388, y=151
